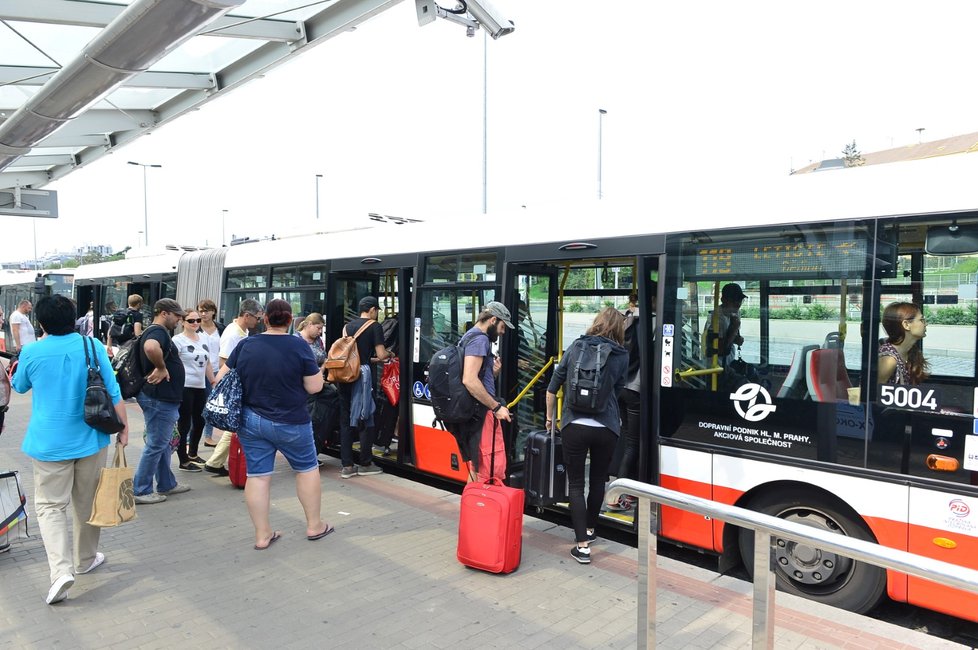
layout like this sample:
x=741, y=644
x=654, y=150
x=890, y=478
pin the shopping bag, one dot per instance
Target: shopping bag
x=222, y=410
x=114, y=502
x=13, y=510
x=390, y=381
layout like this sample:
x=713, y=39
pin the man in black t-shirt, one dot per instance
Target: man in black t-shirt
x=160, y=400
x=370, y=345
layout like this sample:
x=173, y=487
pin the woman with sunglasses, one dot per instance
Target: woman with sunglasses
x=195, y=355
x=901, y=358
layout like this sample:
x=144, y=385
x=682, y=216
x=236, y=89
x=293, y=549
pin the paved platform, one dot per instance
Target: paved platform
x=185, y=575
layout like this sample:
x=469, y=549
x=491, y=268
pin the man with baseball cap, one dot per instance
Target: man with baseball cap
x=479, y=374
x=370, y=346
x=728, y=325
x=160, y=400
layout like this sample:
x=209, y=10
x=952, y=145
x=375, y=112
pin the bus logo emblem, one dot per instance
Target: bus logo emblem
x=959, y=508
x=748, y=394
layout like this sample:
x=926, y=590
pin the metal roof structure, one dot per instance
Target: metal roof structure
x=80, y=78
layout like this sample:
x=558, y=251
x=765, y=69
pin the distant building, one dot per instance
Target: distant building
x=91, y=249
x=959, y=144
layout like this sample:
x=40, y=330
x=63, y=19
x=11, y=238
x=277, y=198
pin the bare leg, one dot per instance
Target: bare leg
x=257, y=498
x=309, y=490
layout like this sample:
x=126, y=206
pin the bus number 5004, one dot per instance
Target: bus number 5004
x=909, y=397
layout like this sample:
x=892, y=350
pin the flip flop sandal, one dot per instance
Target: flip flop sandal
x=326, y=532
x=274, y=538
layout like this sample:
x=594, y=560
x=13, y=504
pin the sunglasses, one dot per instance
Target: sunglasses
x=191, y=320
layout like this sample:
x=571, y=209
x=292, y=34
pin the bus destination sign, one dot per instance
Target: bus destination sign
x=749, y=259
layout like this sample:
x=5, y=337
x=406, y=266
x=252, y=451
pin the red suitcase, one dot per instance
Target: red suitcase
x=490, y=527
x=237, y=467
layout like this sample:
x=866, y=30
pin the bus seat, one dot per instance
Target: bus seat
x=833, y=341
x=827, y=378
x=794, y=385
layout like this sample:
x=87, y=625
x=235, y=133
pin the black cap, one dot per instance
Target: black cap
x=367, y=303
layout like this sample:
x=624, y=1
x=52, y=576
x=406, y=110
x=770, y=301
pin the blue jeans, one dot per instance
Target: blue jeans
x=160, y=418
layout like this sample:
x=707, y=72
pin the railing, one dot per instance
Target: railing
x=767, y=530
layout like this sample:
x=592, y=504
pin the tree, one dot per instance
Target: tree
x=852, y=156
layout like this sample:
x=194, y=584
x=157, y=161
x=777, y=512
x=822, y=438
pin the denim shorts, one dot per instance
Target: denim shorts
x=261, y=438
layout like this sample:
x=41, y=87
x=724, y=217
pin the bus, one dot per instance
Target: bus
x=803, y=430
x=151, y=273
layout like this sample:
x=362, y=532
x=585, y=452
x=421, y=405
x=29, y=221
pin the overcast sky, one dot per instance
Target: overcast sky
x=700, y=96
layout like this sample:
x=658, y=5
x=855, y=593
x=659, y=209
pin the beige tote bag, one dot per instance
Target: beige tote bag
x=114, y=502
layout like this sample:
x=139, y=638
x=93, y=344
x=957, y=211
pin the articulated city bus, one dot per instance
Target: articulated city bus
x=799, y=428
x=151, y=273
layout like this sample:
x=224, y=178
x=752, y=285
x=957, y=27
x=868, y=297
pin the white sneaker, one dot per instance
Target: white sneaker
x=96, y=563
x=177, y=489
x=59, y=589
x=152, y=497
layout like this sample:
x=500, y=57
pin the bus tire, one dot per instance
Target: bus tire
x=809, y=572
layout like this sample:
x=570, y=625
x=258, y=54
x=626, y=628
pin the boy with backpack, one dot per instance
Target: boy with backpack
x=356, y=398
x=126, y=323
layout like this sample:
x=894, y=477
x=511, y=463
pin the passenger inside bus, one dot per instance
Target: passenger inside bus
x=727, y=325
x=901, y=360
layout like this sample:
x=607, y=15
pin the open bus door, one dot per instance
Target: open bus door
x=392, y=288
x=531, y=296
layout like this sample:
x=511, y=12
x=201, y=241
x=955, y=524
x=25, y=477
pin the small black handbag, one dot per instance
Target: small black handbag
x=99, y=412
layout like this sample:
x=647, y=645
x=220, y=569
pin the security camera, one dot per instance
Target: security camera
x=489, y=17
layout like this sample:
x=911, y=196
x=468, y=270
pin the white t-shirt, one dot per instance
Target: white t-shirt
x=230, y=339
x=194, y=356
x=20, y=320
x=213, y=344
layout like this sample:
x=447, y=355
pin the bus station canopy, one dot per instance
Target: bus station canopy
x=79, y=78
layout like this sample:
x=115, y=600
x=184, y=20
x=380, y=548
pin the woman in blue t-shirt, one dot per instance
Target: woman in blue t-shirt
x=67, y=454
x=277, y=373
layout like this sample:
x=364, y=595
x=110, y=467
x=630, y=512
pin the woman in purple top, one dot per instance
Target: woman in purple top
x=901, y=359
x=275, y=419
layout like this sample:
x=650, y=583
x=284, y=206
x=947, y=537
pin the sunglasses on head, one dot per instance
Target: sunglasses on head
x=191, y=320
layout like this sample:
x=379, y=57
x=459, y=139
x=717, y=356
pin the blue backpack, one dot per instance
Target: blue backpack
x=223, y=408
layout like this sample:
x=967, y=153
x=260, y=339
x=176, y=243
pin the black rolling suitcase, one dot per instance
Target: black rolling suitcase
x=544, y=473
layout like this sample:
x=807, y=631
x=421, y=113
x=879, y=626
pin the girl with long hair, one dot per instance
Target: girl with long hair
x=901, y=358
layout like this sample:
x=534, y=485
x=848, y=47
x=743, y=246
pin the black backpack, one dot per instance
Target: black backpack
x=129, y=368
x=587, y=387
x=452, y=402
x=122, y=329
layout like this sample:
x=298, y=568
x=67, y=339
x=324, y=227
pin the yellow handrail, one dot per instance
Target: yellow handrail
x=683, y=374
x=529, y=385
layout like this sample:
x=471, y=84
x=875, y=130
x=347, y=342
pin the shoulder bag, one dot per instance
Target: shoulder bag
x=99, y=412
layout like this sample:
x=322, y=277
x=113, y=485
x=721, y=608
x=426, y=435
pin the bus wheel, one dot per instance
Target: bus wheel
x=810, y=572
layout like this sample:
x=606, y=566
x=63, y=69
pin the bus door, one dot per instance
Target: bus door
x=924, y=425
x=451, y=290
x=532, y=298
x=392, y=288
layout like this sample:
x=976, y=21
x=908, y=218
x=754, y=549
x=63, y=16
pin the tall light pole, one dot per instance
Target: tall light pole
x=601, y=114
x=318, y=176
x=485, y=122
x=145, y=200
x=224, y=214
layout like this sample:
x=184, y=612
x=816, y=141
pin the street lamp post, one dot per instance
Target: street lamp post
x=145, y=200
x=601, y=114
x=318, y=176
x=224, y=214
